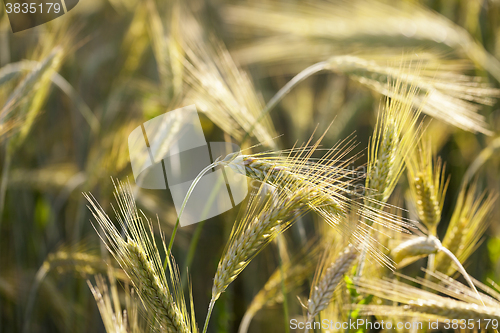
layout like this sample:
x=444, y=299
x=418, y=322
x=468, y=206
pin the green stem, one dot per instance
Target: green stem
x=462, y=271
x=5, y=180
x=184, y=203
x=210, y=308
x=283, y=289
x=199, y=227
x=362, y=257
x=192, y=248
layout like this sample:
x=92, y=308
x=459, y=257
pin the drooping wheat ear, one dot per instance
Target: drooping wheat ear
x=326, y=281
x=393, y=138
x=425, y=246
x=312, y=31
x=293, y=274
x=328, y=176
x=467, y=225
x=424, y=304
x=427, y=185
x=219, y=88
x=444, y=93
x=414, y=248
x=139, y=257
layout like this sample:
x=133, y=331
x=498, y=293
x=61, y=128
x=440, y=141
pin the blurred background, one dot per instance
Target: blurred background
x=73, y=89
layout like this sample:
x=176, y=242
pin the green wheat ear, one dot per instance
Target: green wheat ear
x=394, y=136
x=138, y=255
x=328, y=276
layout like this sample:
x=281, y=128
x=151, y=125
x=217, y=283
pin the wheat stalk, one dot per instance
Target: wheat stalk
x=138, y=256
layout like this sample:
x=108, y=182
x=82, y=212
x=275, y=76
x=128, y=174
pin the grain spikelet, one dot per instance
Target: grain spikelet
x=393, y=138
x=467, y=225
x=414, y=248
x=268, y=214
x=427, y=185
x=138, y=256
x=259, y=225
x=327, y=279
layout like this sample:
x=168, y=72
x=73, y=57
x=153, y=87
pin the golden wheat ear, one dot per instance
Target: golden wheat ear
x=270, y=212
x=329, y=274
x=427, y=185
x=467, y=226
x=395, y=134
x=138, y=255
x=393, y=138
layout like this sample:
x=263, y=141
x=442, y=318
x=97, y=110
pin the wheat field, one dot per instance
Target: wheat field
x=370, y=150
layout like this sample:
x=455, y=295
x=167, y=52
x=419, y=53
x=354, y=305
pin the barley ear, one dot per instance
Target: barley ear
x=138, y=256
x=393, y=137
x=427, y=185
x=328, y=277
x=467, y=225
